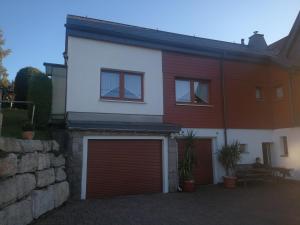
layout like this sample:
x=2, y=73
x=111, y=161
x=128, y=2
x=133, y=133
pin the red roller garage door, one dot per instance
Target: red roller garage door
x=123, y=167
x=203, y=172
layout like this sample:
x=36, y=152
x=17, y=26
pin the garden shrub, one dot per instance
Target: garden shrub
x=22, y=83
x=40, y=93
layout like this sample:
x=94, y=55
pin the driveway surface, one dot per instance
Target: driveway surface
x=210, y=205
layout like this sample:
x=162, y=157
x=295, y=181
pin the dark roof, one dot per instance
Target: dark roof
x=292, y=36
x=278, y=45
x=123, y=126
x=133, y=35
x=283, y=46
x=55, y=65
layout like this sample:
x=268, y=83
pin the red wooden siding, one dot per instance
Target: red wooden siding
x=203, y=172
x=192, y=67
x=296, y=97
x=123, y=167
x=282, y=109
x=243, y=110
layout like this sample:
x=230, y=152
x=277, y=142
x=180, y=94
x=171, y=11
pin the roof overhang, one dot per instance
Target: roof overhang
x=163, y=128
x=90, y=29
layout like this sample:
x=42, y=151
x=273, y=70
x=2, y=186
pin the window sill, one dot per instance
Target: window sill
x=284, y=155
x=197, y=105
x=121, y=101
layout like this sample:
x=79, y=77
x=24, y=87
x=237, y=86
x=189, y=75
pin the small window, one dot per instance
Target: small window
x=121, y=85
x=279, y=93
x=284, y=146
x=259, y=93
x=192, y=91
x=243, y=148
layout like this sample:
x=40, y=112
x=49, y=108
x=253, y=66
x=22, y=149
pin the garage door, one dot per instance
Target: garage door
x=123, y=167
x=203, y=172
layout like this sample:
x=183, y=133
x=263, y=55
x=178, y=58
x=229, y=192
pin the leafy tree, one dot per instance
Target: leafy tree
x=3, y=54
x=40, y=93
x=22, y=82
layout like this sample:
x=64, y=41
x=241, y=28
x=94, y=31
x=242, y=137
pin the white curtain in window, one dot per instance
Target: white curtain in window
x=110, y=84
x=133, y=86
x=201, y=92
x=183, y=91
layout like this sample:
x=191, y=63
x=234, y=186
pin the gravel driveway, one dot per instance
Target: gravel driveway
x=254, y=205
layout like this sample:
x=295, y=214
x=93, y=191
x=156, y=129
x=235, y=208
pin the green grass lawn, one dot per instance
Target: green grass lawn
x=12, y=124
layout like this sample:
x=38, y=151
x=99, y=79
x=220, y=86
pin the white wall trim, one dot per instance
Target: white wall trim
x=164, y=140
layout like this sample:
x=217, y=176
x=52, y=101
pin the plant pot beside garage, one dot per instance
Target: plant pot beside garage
x=187, y=164
x=229, y=181
x=229, y=156
x=28, y=132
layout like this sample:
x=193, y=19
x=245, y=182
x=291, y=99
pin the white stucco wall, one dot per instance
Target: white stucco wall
x=58, y=90
x=253, y=138
x=293, y=159
x=85, y=60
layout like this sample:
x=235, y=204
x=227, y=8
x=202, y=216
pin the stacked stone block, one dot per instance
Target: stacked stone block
x=32, y=179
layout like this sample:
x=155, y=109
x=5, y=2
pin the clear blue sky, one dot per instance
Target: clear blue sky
x=34, y=29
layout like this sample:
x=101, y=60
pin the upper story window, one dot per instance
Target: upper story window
x=192, y=91
x=121, y=85
x=279, y=92
x=259, y=93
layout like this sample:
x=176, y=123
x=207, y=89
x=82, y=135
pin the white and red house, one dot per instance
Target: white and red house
x=129, y=94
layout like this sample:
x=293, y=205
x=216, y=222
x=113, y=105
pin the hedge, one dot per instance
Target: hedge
x=40, y=93
x=22, y=82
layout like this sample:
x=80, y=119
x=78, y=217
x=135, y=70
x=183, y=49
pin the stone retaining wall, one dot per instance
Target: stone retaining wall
x=32, y=180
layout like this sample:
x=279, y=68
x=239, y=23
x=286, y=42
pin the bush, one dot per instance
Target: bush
x=22, y=82
x=27, y=126
x=229, y=156
x=187, y=164
x=40, y=93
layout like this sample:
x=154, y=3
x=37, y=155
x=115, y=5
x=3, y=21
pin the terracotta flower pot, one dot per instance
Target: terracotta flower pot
x=27, y=135
x=229, y=182
x=189, y=186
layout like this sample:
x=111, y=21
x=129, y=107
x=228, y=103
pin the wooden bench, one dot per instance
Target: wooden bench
x=246, y=173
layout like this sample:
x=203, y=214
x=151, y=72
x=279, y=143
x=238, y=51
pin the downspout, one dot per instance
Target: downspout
x=223, y=97
x=291, y=73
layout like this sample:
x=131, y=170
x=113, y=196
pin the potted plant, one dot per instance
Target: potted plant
x=27, y=129
x=187, y=164
x=229, y=156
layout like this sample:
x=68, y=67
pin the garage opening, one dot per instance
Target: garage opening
x=123, y=167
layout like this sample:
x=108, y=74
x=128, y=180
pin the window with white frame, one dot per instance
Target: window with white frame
x=243, y=148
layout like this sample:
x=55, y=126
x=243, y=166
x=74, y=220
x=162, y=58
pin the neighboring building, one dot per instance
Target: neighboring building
x=132, y=93
x=58, y=75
